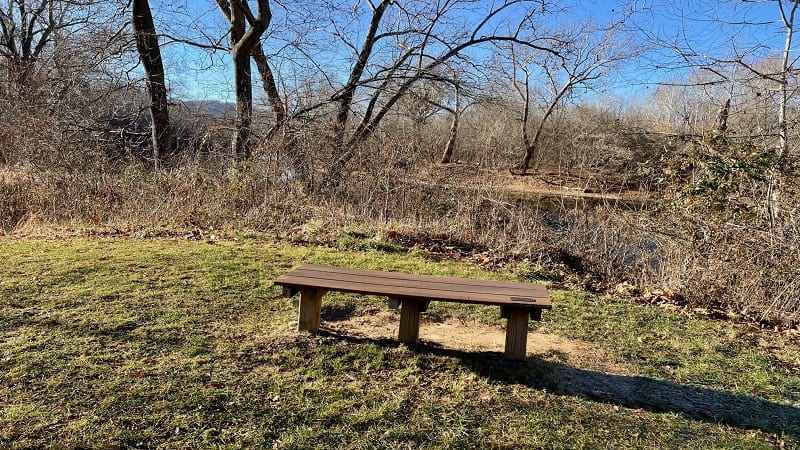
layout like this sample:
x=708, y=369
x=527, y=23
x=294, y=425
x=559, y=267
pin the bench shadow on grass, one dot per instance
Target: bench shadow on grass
x=695, y=402
x=337, y=313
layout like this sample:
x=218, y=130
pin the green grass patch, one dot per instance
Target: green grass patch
x=176, y=344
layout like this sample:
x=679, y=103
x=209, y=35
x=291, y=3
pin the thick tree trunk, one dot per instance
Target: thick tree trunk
x=243, y=86
x=523, y=165
x=150, y=55
x=244, y=105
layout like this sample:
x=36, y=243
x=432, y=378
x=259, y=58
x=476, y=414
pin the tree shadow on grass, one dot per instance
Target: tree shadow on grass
x=632, y=391
x=695, y=402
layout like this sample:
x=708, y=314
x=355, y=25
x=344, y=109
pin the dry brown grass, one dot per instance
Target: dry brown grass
x=734, y=269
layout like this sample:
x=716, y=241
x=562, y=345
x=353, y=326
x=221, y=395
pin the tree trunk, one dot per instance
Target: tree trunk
x=243, y=41
x=280, y=132
x=243, y=86
x=451, y=141
x=531, y=146
x=447, y=156
x=776, y=176
x=784, y=81
x=24, y=34
x=150, y=55
x=526, y=141
x=244, y=105
x=270, y=86
x=722, y=116
x=345, y=98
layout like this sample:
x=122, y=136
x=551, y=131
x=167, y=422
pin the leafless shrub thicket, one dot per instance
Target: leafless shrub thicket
x=685, y=242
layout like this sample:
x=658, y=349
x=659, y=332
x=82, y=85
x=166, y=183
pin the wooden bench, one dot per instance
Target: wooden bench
x=413, y=293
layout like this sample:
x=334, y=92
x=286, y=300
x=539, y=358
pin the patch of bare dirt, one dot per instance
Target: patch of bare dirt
x=473, y=336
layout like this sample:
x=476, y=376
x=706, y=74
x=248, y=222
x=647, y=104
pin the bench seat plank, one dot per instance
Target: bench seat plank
x=420, y=287
x=308, y=268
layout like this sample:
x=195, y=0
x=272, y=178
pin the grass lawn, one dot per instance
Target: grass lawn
x=184, y=344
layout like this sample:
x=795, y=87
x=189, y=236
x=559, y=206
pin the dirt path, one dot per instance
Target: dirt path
x=473, y=336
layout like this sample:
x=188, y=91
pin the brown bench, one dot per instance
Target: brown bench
x=413, y=293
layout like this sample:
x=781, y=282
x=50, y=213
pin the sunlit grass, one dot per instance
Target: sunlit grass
x=126, y=342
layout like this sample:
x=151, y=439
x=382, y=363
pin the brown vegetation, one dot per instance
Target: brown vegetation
x=707, y=244
x=709, y=217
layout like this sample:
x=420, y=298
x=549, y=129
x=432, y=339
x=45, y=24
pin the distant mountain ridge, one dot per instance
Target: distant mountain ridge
x=212, y=108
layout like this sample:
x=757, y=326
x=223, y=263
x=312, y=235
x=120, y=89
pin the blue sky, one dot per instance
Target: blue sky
x=717, y=30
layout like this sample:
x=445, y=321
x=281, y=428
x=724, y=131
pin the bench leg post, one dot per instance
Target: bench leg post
x=517, y=333
x=409, y=321
x=310, y=309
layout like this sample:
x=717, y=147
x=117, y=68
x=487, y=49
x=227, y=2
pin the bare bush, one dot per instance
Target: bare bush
x=712, y=260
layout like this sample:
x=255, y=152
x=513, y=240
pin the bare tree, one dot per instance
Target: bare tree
x=270, y=85
x=786, y=66
x=394, y=58
x=345, y=96
x=722, y=116
x=735, y=55
x=461, y=97
x=742, y=38
x=244, y=40
x=27, y=27
x=150, y=55
x=584, y=57
x=688, y=105
x=455, y=111
x=61, y=60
